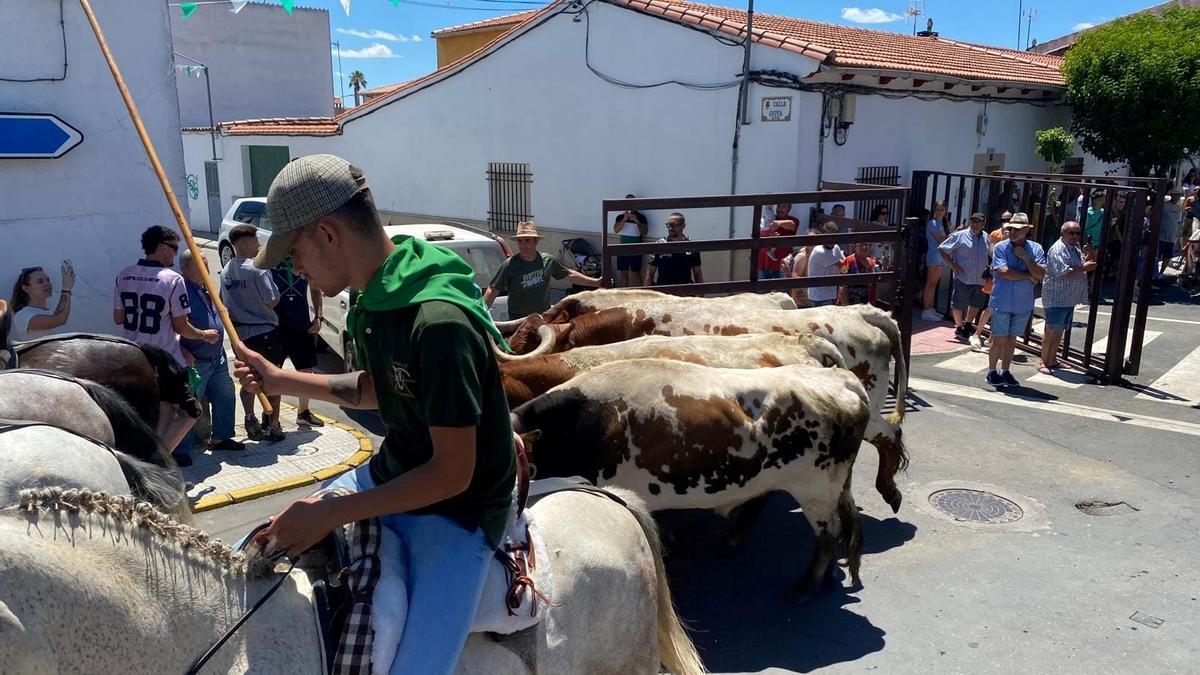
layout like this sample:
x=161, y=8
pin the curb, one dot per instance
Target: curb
x=365, y=450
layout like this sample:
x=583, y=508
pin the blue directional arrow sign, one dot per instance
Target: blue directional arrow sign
x=32, y=135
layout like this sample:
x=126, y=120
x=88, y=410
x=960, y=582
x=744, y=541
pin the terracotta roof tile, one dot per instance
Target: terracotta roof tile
x=863, y=48
x=495, y=22
x=283, y=126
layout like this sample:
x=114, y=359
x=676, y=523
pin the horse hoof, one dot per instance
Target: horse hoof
x=894, y=501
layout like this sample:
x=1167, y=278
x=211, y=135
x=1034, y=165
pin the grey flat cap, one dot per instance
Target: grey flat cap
x=305, y=190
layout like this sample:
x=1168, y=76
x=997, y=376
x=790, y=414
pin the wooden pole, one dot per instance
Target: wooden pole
x=234, y=341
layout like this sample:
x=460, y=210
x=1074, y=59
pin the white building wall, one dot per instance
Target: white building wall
x=91, y=205
x=261, y=61
x=534, y=100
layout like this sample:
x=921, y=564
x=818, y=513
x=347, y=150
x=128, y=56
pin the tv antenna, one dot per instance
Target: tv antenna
x=1030, y=15
x=915, y=8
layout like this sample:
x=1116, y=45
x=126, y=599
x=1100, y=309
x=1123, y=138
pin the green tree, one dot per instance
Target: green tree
x=357, y=81
x=1130, y=85
x=1054, y=146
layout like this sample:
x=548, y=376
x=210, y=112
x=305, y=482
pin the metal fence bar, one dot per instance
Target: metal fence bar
x=1146, y=278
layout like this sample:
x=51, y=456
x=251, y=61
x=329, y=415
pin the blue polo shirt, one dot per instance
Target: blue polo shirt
x=203, y=314
x=1014, y=296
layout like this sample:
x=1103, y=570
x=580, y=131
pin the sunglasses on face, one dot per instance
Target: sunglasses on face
x=674, y=224
x=173, y=247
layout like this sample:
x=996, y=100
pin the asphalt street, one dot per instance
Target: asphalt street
x=1092, y=571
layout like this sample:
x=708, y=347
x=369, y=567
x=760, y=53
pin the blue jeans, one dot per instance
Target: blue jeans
x=217, y=388
x=446, y=567
x=770, y=274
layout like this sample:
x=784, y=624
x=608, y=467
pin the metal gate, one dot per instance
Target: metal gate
x=509, y=187
x=903, y=239
x=1125, y=249
x=212, y=189
x=878, y=175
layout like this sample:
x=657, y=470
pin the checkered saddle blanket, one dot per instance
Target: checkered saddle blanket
x=518, y=584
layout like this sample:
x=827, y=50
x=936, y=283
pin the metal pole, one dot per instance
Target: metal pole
x=1020, y=13
x=341, y=80
x=743, y=91
x=176, y=209
x=212, y=125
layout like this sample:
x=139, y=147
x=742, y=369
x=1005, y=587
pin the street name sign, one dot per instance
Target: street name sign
x=36, y=135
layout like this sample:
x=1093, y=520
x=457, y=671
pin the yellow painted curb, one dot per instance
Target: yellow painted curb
x=366, y=449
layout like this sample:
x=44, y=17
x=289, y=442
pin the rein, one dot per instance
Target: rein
x=216, y=646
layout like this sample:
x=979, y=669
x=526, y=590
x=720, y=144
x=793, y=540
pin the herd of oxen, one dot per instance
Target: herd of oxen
x=691, y=403
x=713, y=403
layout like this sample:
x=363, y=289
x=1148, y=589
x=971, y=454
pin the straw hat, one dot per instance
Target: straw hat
x=527, y=229
x=1019, y=221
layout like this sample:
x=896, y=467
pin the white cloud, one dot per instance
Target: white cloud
x=875, y=15
x=1082, y=26
x=374, y=34
x=414, y=38
x=375, y=51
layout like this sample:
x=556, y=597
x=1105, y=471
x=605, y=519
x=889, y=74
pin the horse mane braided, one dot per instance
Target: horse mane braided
x=144, y=516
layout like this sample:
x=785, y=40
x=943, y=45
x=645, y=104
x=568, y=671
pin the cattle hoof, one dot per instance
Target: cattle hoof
x=894, y=501
x=801, y=592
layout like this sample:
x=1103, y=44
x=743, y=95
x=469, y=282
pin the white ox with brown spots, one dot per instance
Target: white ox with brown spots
x=867, y=338
x=587, y=302
x=685, y=436
x=526, y=378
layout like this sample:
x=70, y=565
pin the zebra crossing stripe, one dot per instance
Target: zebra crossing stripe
x=1181, y=383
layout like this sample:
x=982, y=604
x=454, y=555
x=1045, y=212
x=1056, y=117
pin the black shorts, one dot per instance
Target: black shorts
x=629, y=262
x=267, y=344
x=299, y=346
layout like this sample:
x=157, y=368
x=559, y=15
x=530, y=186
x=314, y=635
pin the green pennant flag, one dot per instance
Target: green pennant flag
x=189, y=8
x=395, y=3
x=287, y=5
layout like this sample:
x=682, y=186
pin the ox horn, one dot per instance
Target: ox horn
x=507, y=327
x=547, y=336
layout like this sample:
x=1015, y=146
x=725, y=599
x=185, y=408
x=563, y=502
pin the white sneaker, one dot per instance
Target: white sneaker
x=931, y=315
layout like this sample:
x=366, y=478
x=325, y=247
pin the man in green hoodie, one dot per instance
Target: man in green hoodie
x=444, y=477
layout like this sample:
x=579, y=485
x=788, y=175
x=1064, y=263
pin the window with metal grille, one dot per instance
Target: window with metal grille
x=878, y=175
x=509, y=187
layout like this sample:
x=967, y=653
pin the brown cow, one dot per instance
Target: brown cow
x=686, y=436
x=867, y=338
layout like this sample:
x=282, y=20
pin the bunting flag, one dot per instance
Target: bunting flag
x=395, y=3
x=237, y=5
x=188, y=8
x=287, y=5
x=346, y=6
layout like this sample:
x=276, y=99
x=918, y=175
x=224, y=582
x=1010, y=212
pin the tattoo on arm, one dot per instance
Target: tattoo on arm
x=64, y=299
x=347, y=387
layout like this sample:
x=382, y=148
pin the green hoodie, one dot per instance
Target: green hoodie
x=416, y=272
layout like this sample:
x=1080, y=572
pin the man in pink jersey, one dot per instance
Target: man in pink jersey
x=150, y=300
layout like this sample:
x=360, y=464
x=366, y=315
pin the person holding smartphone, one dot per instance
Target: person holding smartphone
x=32, y=317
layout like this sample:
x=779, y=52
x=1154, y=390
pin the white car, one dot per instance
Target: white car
x=248, y=211
x=484, y=252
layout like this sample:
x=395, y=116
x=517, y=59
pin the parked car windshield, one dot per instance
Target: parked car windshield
x=485, y=259
x=253, y=213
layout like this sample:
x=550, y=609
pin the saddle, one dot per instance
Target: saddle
x=361, y=602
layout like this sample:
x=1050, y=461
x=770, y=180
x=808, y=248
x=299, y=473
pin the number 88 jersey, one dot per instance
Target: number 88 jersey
x=147, y=297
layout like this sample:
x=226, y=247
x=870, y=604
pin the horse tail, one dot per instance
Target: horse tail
x=675, y=648
x=161, y=486
x=887, y=324
x=131, y=434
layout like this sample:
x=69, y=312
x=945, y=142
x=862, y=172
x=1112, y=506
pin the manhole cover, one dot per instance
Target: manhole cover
x=976, y=506
x=1097, y=507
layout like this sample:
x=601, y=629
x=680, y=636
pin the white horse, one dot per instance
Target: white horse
x=93, y=583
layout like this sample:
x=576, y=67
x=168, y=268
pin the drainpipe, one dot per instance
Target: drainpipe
x=821, y=142
x=742, y=118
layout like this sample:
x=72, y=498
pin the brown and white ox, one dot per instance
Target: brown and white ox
x=587, y=302
x=867, y=338
x=525, y=378
x=685, y=436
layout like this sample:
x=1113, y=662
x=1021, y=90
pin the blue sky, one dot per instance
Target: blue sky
x=391, y=44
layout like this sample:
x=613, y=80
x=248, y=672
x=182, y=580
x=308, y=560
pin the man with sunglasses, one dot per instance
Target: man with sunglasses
x=681, y=267
x=1064, y=286
x=150, y=300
